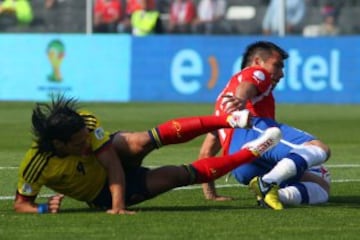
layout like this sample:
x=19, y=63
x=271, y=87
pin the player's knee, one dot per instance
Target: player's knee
x=312, y=154
x=317, y=194
x=324, y=147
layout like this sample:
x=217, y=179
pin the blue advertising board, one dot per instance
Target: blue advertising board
x=90, y=68
x=196, y=68
x=178, y=68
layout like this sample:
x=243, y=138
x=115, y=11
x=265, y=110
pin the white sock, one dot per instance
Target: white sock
x=293, y=195
x=290, y=195
x=282, y=171
x=316, y=193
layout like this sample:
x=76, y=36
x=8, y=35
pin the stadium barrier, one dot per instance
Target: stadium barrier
x=121, y=68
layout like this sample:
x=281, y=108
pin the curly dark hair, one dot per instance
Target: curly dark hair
x=56, y=120
x=262, y=48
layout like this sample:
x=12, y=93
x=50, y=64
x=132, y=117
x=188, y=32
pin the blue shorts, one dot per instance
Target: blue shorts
x=290, y=136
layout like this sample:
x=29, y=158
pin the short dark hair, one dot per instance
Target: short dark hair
x=262, y=48
x=56, y=120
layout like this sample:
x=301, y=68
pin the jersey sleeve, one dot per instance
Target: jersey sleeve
x=30, y=179
x=99, y=137
x=28, y=189
x=258, y=76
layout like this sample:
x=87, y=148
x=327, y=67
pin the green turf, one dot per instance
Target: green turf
x=183, y=213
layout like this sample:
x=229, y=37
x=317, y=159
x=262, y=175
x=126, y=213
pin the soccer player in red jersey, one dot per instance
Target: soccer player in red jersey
x=74, y=156
x=298, y=151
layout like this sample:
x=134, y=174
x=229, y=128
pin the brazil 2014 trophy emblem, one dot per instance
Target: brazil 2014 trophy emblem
x=55, y=83
x=55, y=52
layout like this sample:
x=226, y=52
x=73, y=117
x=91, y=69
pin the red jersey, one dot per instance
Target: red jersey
x=108, y=10
x=134, y=5
x=182, y=12
x=262, y=105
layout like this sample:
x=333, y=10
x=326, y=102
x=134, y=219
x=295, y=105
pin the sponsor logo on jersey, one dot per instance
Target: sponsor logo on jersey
x=259, y=75
x=99, y=133
x=239, y=78
x=26, y=189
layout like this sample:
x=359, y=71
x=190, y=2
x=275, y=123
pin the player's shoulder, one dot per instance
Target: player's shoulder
x=255, y=75
x=91, y=120
x=34, y=163
x=85, y=113
x=255, y=72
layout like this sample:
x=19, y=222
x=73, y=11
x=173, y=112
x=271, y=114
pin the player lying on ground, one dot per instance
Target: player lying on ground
x=75, y=157
x=313, y=187
x=251, y=89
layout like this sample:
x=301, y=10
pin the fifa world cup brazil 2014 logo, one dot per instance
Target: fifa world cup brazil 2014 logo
x=55, y=52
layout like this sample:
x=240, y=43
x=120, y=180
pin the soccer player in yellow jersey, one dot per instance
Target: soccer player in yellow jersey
x=75, y=157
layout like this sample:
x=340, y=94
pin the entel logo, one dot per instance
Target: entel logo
x=314, y=73
x=188, y=63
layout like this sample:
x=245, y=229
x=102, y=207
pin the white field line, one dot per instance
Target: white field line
x=194, y=187
x=217, y=185
x=8, y=168
x=327, y=165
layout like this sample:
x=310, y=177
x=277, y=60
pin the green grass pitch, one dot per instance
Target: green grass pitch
x=183, y=213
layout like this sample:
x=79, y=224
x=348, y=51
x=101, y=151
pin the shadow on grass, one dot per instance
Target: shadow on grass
x=161, y=209
x=81, y=210
x=345, y=201
x=186, y=208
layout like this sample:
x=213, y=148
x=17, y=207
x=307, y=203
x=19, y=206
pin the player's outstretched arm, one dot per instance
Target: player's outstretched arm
x=116, y=178
x=210, y=147
x=26, y=205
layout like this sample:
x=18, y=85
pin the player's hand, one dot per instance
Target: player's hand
x=120, y=211
x=209, y=191
x=219, y=198
x=231, y=103
x=54, y=203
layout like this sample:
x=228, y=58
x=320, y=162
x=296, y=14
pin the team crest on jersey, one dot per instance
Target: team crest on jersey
x=26, y=189
x=99, y=133
x=239, y=78
x=259, y=75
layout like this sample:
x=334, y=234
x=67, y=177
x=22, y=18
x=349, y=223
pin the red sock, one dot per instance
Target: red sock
x=209, y=169
x=184, y=129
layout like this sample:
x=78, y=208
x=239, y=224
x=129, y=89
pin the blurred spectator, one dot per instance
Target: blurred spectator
x=15, y=12
x=124, y=25
x=107, y=14
x=210, y=17
x=146, y=20
x=50, y=3
x=163, y=5
x=133, y=5
x=294, y=14
x=329, y=26
x=182, y=16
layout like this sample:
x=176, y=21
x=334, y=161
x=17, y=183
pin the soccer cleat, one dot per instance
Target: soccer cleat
x=260, y=202
x=266, y=194
x=239, y=119
x=267, y=140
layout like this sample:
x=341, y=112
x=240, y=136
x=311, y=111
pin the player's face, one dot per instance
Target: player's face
x=274, y=65
x=79, y=143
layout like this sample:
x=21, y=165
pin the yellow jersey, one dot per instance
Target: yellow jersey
x=79, y=177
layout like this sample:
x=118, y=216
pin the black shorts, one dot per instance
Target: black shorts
x=136, y=190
